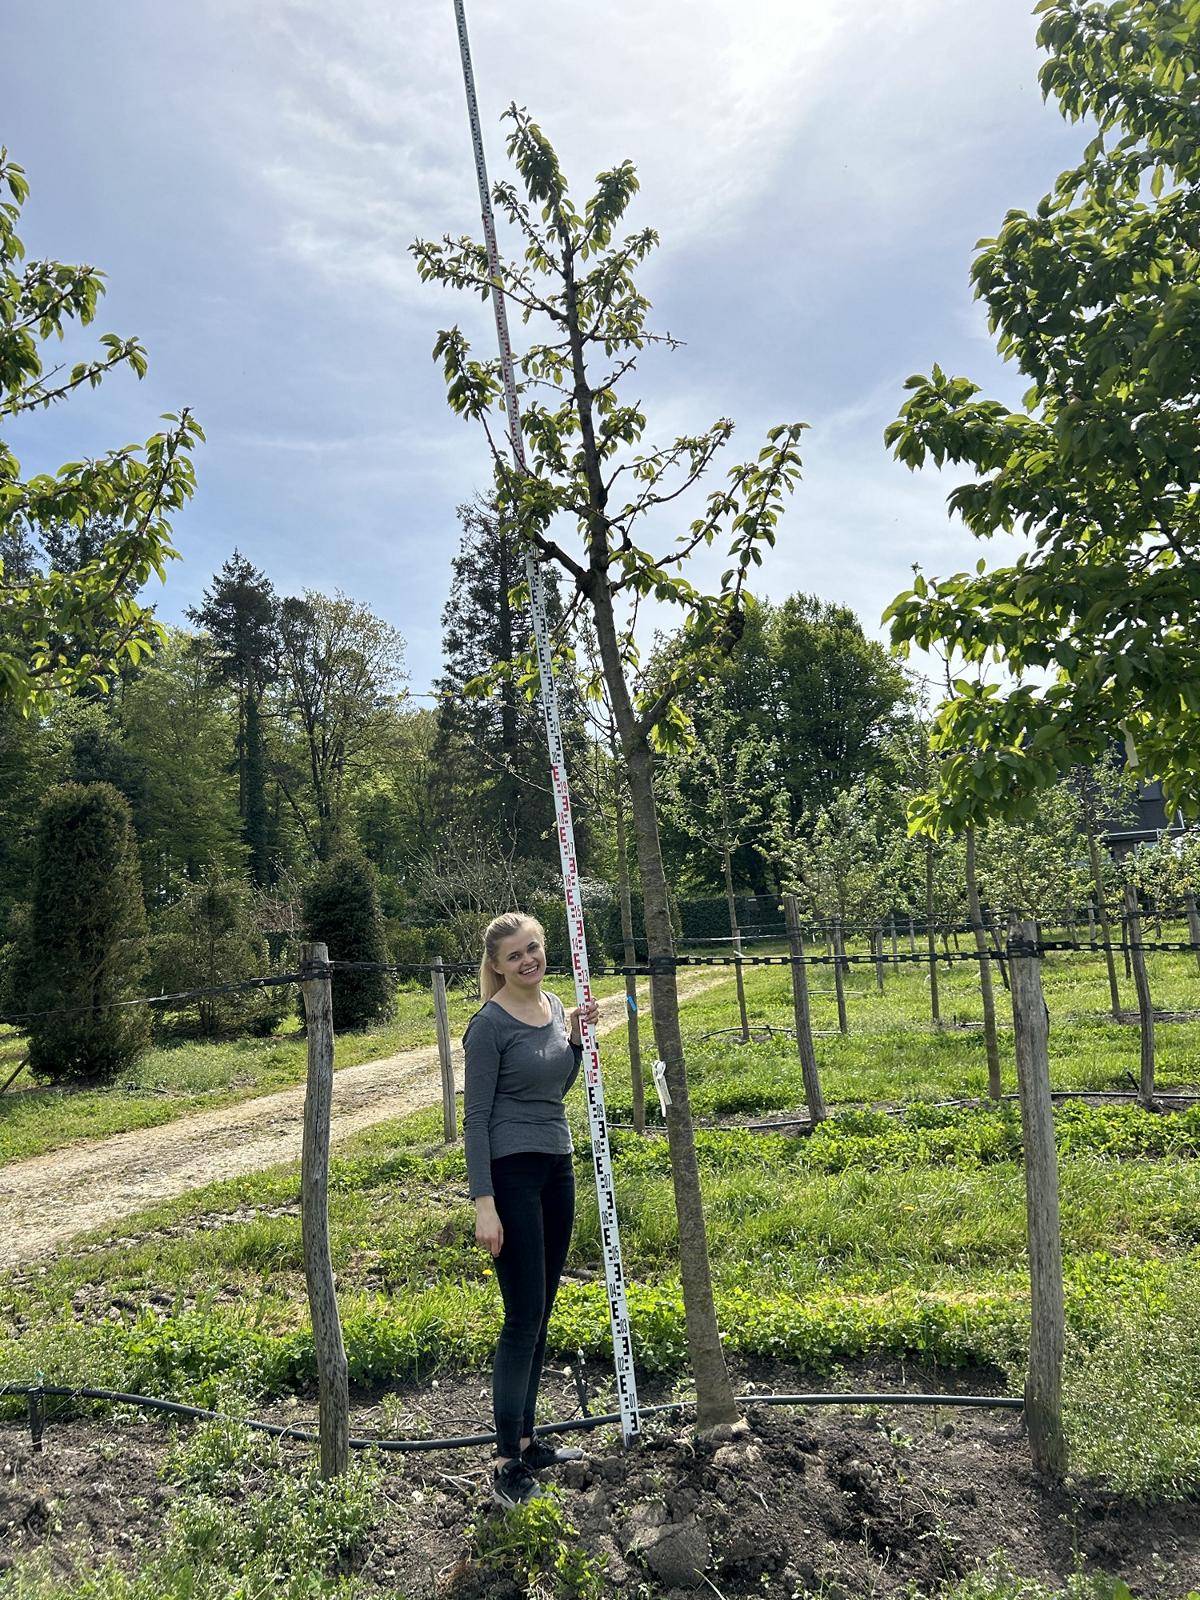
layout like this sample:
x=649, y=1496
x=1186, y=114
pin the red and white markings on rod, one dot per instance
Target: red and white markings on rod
x=610, y=1238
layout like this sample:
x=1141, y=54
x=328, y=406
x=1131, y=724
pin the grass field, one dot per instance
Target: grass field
x=1089, y=1049
x=896, y=1238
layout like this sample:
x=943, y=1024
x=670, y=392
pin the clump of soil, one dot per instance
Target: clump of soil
x=844, y=1503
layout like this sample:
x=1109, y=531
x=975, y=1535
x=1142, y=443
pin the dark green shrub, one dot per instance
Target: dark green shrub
x=84, y=945
x=341, y=911
x=458, y=940
x=613, y=941
x=552, y=914
x=211, y=937
x=406, y=946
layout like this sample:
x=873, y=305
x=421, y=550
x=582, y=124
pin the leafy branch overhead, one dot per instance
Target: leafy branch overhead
x=1096, y=299
x=63, y=629
x=574, y=282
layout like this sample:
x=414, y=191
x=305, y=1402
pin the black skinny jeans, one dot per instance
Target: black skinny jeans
x=535, y=1200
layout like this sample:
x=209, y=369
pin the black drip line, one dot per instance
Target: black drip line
x=37, y=1393
x=654, y=966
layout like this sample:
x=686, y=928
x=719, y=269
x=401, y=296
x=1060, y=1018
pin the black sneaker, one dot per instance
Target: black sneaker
x=514, y=1485
x=537, y=1455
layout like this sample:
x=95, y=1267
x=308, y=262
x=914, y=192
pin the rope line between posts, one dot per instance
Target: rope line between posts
x=654, y=966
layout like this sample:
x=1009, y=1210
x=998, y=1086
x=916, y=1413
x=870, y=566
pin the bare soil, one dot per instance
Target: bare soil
x=847, y=1504
x=48, y=1199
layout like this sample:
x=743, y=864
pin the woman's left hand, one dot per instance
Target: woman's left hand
x=588, y=1012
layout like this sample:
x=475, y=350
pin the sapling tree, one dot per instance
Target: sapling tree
x=585, y=506
x=719, y=790
x=68, y=624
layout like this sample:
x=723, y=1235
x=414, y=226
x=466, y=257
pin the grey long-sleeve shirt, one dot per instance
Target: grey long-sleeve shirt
x=516, y=1076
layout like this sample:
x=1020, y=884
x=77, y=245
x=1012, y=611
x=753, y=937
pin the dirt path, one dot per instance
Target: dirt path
x=49, y=1199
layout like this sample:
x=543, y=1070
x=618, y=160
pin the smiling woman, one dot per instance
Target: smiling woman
x=523, y=1050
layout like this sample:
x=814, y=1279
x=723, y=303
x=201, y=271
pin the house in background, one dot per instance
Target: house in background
x=1147, y=822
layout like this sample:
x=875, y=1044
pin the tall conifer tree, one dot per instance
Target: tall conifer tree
x=240, y=614
x=491, y=750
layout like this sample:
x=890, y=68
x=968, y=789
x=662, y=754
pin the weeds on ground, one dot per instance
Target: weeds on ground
x=537, y=1548
x=245, y=1522
x=995, y=1581
x=1131, y=1405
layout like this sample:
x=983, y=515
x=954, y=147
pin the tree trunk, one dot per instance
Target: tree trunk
x=991, y=1042
x=736, y=935
x=931, y=937
x=1114, y=992
x=333, y=1394
x=1133, y=923
x=813, y=1097
x=839, y=977
x=989, y=923
x=625, y=890
x=714, y=1393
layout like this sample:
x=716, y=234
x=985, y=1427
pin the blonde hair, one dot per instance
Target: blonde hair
x=498, y=929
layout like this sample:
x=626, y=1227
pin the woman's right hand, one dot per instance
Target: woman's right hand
x=489, y=1230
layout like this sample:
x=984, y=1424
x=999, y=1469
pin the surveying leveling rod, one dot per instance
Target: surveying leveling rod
x=610, y=1238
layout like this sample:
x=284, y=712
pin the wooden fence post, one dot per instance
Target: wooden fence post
x=912, y=937
x=877, y=950
x=813, y=1097
x=839, y=976
x=895, y=949
x=441, y=1013
x=1141, y=980
x=1047, y=1328
x=333, y=1389
x=1193, y=921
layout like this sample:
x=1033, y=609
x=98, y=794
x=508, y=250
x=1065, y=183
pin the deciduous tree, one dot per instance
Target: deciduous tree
x=574, y=279
x=67, y=627
x=1095, y=298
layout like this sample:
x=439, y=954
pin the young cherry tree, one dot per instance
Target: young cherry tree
x=721, y=793
x=574, y=284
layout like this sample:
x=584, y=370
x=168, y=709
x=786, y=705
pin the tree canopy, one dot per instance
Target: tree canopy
x=1095, y=297
x=65, y=625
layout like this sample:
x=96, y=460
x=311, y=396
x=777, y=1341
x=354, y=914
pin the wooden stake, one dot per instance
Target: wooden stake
x=1141, y=980
x=333, y=1388
x=1047, y=1332
x=441, y=1013
x=839, y=976
x=813, y=1097
x=877, y=950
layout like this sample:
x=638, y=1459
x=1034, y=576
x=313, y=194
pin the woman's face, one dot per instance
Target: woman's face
x=521, y=960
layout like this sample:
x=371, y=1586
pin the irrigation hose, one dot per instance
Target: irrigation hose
x=37, y=1391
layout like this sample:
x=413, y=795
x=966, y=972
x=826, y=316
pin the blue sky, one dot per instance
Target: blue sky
x=249, y=174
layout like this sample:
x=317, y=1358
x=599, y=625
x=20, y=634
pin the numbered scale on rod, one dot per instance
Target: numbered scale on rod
x=614, y=1272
